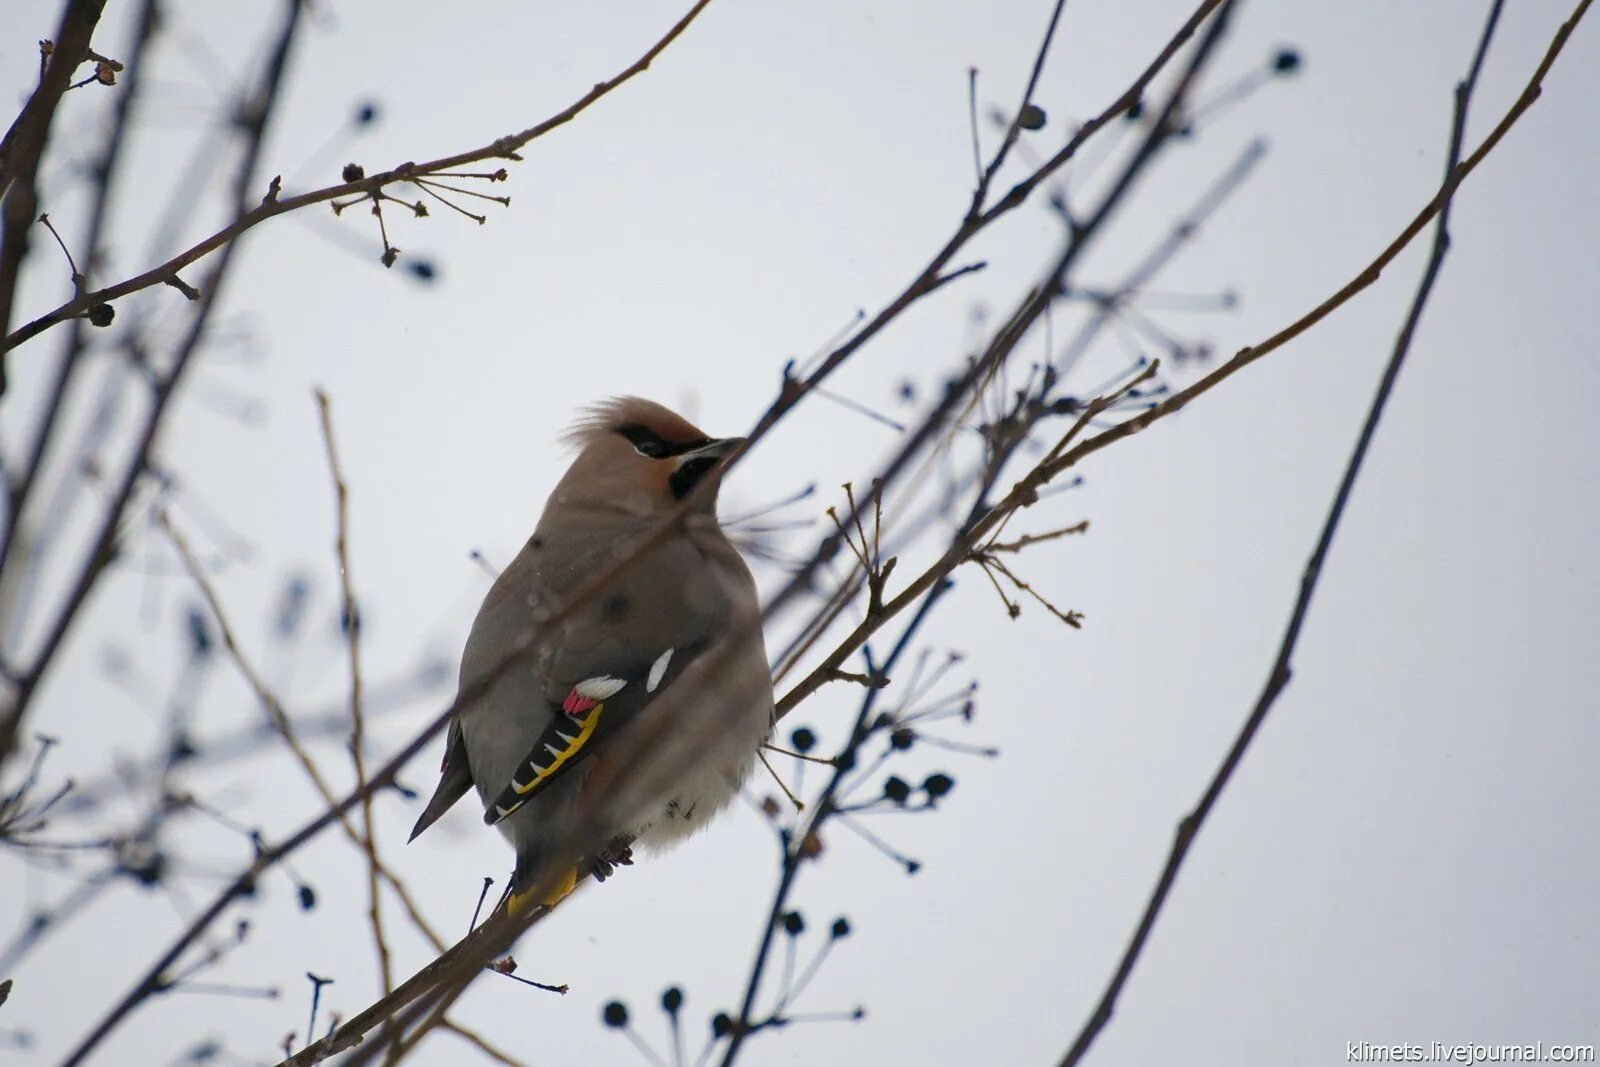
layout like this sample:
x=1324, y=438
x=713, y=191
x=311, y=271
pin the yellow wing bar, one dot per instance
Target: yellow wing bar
x=554, y=750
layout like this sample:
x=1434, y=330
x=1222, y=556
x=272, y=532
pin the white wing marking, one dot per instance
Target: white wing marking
x=658, y=670
x=599, y=688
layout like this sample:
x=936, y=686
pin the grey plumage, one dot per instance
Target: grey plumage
x=683, y=616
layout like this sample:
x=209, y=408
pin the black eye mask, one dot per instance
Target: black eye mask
x=651, y=445
x=687, y=476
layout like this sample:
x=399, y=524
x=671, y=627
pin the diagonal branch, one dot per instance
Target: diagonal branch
x=105, y=170
x=352, y=636
x=1369, y=274
x=382, y=776
x=1063, y=458
x=24, y=144
x=1014, y=127
x=283, y=727
x=257, y=112
x=1190, y=826
x=363, y=188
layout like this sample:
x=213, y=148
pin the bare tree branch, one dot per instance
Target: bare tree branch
x=257, y=112
x=1369, y=274
x=1278, y=678
x=435, y=988
x=24, y=143
x=350, y=613
x=367, y=187
x=105, y=171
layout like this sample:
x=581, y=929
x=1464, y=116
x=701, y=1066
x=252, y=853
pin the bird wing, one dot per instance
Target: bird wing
x=592, y=710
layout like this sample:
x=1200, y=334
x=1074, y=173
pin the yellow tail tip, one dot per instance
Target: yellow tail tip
x=562, y=888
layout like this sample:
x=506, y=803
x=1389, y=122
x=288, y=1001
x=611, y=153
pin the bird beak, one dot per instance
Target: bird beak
x=717, y=449
x=701, y=467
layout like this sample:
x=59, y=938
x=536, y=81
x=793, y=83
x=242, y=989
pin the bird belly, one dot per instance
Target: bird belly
x=697, y=800
x=704, y=792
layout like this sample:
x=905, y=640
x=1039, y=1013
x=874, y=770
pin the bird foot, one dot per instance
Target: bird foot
x=617, y=854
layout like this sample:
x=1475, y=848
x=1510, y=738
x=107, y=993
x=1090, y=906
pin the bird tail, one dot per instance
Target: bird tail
x=455, y=779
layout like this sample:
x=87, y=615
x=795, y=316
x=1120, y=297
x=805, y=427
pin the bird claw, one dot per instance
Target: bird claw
x=615, y=855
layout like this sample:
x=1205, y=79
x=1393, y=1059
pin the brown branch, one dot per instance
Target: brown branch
x=960, y=398
x=24, y=143
x=1034, y=539
x=243, y=884
x=1014, y=127
x=472, y=1038
x=358, y=740
x=105, y=171
x=1062, y=458
x=1073, y=619
x=272, y=206
x=257, y=113
x=1023, y=494
x=472, y=952
x=264, y=695
x=385, y=775
x=1118, y=107
x=928, y=281
x=1278, y=678
x=635, y=769
x=1370, y=274
x=866, y=681
x=283, y=726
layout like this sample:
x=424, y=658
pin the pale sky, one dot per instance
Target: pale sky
x=1408, y=854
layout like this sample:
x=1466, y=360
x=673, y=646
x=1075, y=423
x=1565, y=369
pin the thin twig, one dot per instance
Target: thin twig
x=385, y=774
x=1133, y=95
x=283, y=725
x=1066, y=458
x=1367, y=276
x=1278, y=678
x=352, y=633
x=799, y=805
x=972, y=121
x=501, y=148
x=1073, y=619
x=981, y=519
x=472, y=1038
x=72, y=264
x=257, y=113
x=1014, y=127
x=794, y=853
x=1034, y=539
x=23, y=147
x=1022, y=494
x=105, y=171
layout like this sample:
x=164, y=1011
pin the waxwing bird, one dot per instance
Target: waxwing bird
x=642, y=711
